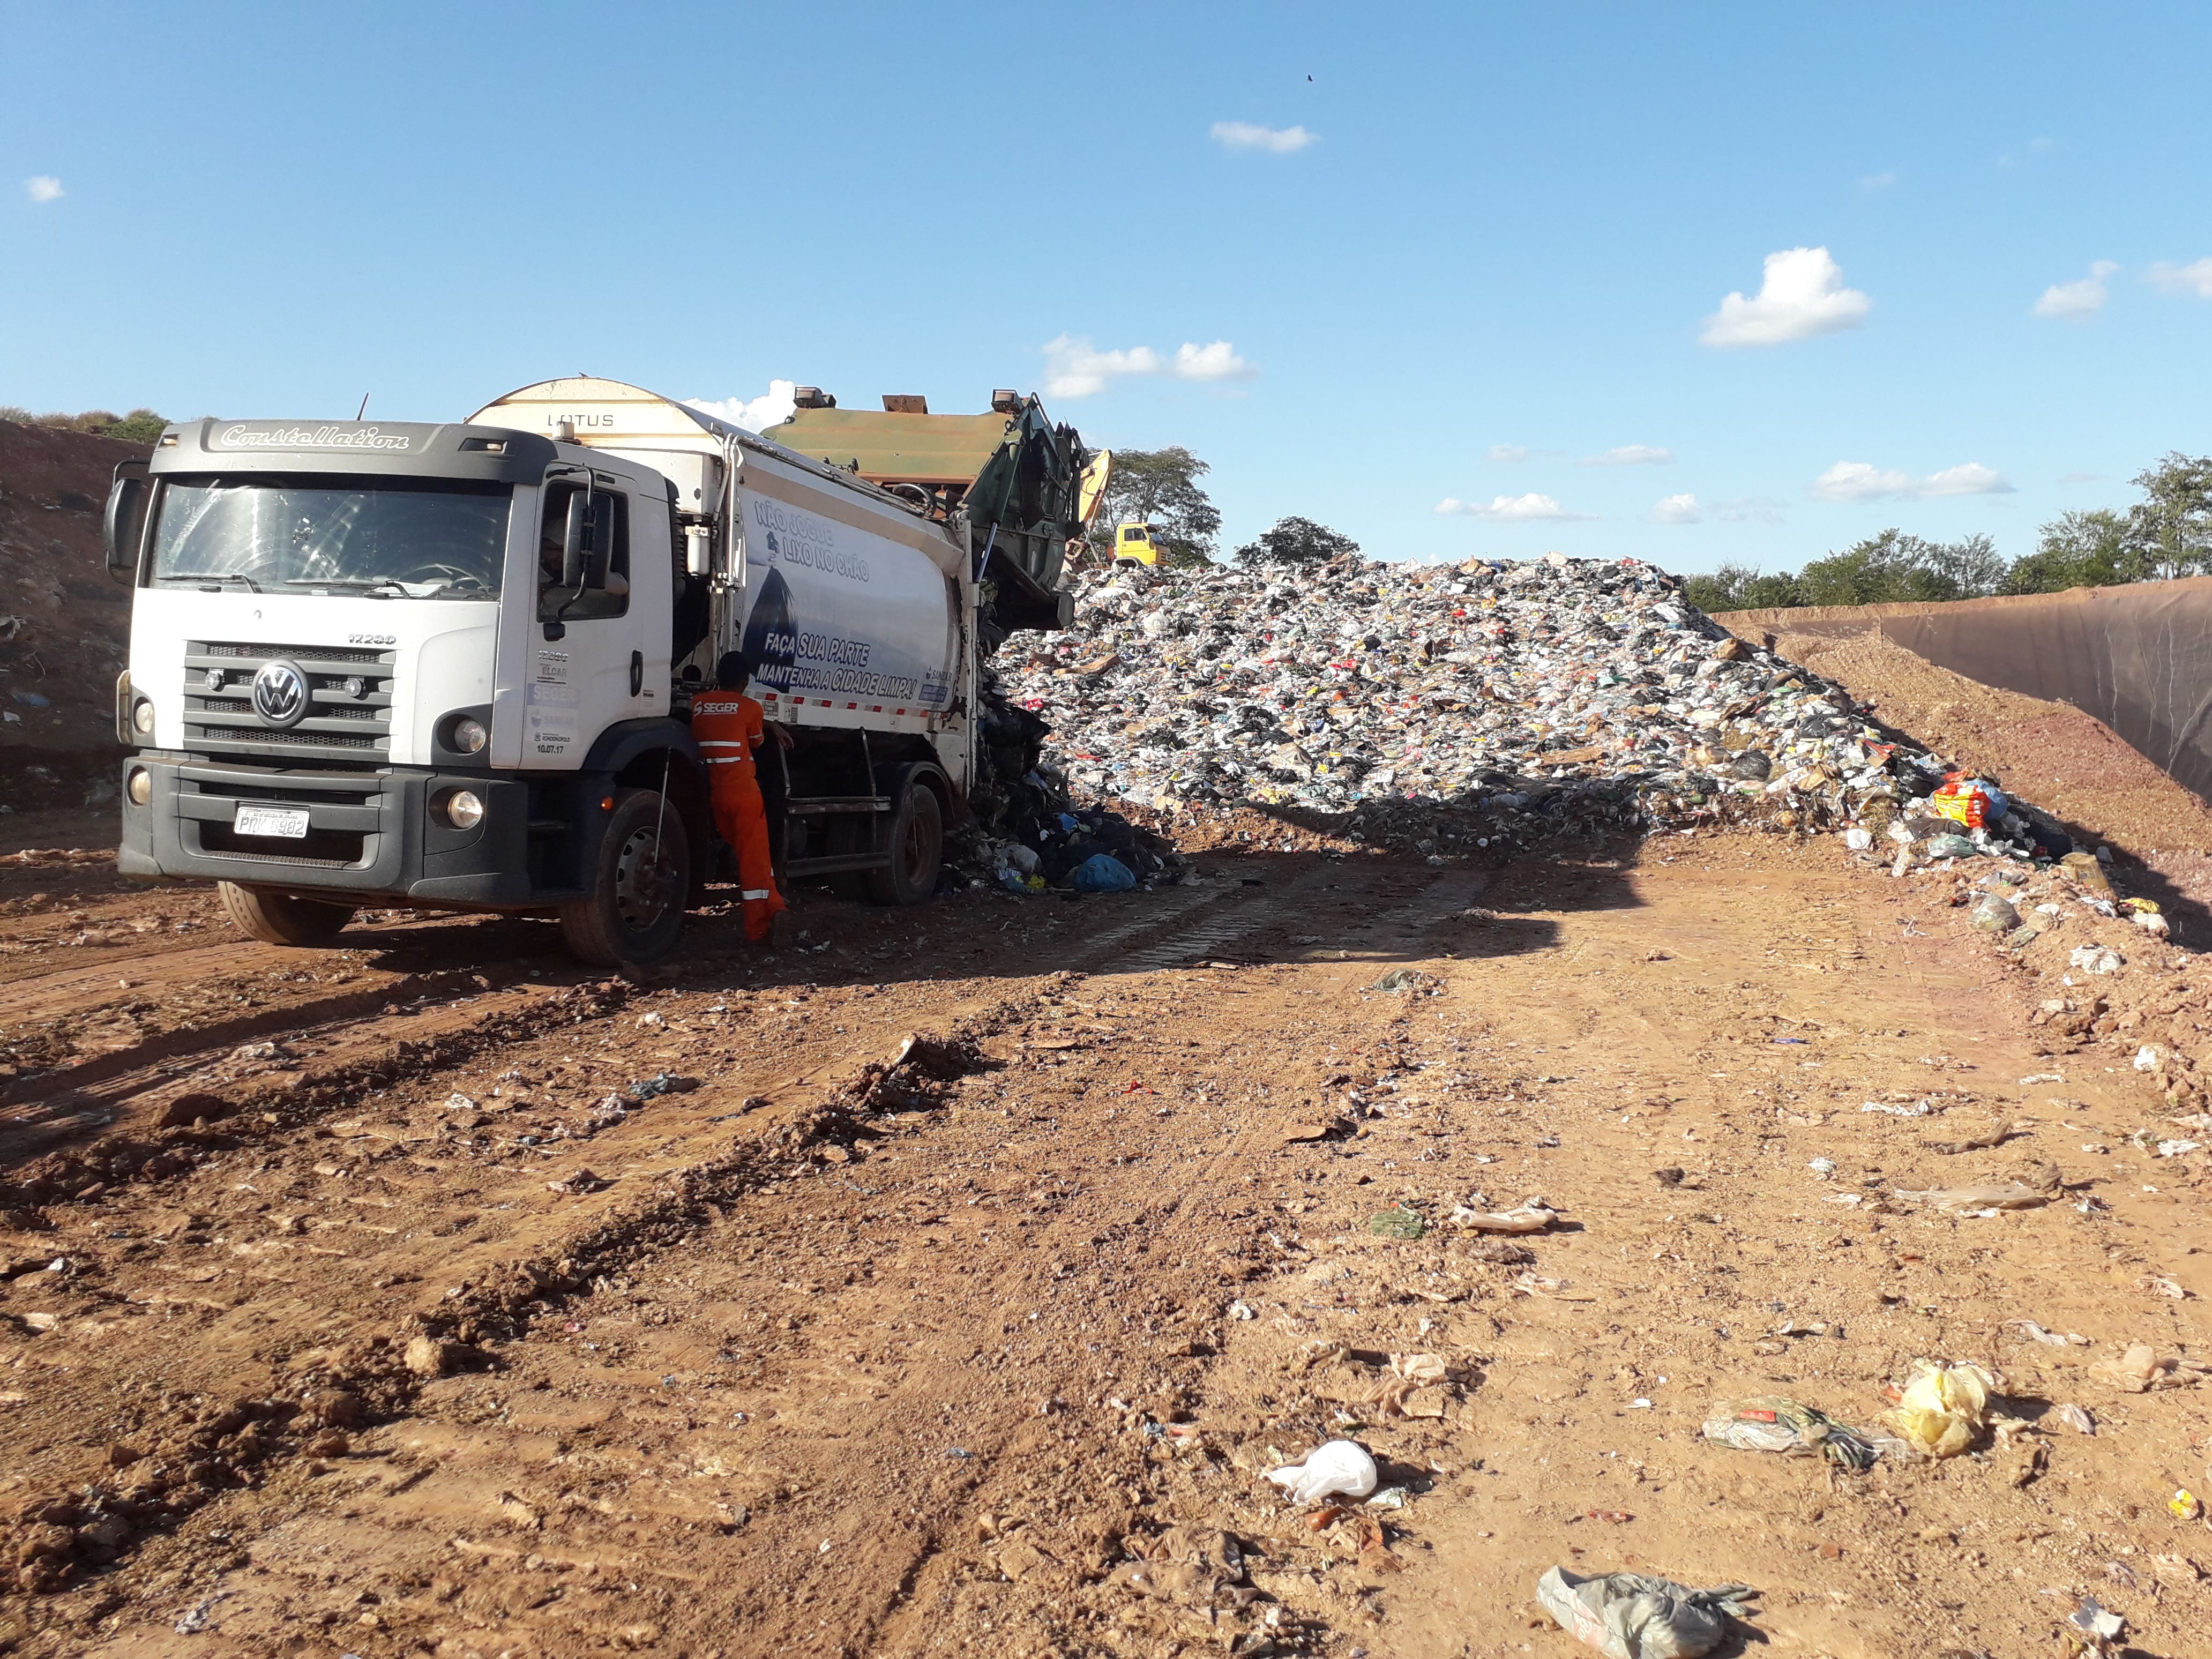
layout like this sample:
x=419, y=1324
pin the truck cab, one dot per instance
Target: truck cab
x=401, y=664
x=1134, y=544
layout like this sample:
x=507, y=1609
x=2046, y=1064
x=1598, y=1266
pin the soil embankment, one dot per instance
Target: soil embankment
x=65, y=625
x=2060, y=757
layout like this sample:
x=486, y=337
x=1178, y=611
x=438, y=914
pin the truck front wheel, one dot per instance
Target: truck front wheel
x=636, y=908
x=282, y=918
x=913, y=835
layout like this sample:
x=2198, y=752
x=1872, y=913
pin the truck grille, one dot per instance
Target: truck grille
x=342, y=728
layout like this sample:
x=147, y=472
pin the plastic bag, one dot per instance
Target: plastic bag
x=1974, y=802
x=1101, y=872
x=1940, y=1410
x=1630, y=1615
x=1337, y=1465
x=1775, y=1423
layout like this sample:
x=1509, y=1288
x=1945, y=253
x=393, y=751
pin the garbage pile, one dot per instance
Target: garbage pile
x=1556, y=695
x=1028, y=835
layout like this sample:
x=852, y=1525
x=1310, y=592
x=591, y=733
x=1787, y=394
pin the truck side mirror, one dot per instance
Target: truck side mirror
x=574, y=537
x=120, y=522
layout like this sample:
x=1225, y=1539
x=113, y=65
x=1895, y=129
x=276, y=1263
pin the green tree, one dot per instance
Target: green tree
x=1894, y=568
x=1742, y=587
x=2082, y=548
x=140, y=426
x=2170, y=529
x=1160, y=488
x=1298, y=541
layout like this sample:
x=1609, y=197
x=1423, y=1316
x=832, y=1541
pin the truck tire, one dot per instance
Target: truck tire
x=277, y=918
x=636, y=910
x=913, y=835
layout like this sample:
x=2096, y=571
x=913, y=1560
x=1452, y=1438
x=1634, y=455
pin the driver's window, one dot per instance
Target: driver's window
x=606, y=560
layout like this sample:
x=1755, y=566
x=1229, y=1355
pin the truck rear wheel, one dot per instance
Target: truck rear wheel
x=913, y=835
x=282, y=918
x=636, y=910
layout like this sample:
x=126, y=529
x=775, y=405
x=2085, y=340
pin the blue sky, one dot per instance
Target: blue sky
x=1473, y=231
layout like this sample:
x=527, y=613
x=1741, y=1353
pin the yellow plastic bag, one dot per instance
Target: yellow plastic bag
x=1940, y=1410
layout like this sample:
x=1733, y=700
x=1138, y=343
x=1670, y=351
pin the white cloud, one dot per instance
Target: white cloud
x=1630, y=455
x=1505, y=454
x=1676, y=509
x=1878, y=181
x=1216, y=362
x=2194, y=278
x=1802, y=295
x=754, y=414
x=1749, y=509
x=1513, y=509
x=2080, y=477
x=1972, y=478
x=1076, y=368
x=1861, y=480
x=2077, y=299
x=1276, y=141
x=44, y=188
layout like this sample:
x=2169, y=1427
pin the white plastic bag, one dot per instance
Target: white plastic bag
x=1340, y=1465
x=1632, y=1616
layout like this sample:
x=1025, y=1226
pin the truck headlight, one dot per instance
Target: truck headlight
x=467, y=736
x=141, y=786
x=461, y=809
x=142, y=719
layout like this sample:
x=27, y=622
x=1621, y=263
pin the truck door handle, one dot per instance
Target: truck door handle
x=636, y=672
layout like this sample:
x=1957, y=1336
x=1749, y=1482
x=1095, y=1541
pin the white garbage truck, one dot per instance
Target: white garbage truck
x=451, y=666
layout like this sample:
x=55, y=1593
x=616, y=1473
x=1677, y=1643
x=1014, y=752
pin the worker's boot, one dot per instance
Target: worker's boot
x=782, y=931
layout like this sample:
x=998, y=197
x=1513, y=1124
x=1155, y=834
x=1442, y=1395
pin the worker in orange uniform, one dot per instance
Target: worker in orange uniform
x=729, y=727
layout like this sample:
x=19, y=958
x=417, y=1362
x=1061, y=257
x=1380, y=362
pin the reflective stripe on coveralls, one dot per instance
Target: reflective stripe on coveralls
x=727, y=729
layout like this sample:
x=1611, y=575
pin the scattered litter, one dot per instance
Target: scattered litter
x=1417, y=1367
x=663, y=1083
x=580, y=1182
x=2141, y=1369
x=1939, y=1413
x=1632, y=1616
x=459, y=1102
x=1996, y=1135
x=2076, y=1419
x=2184, y=1505
x=1336, y=1466
x=1980, y=1200
x=1400, y=1223
x=2091, y=1629
x=1775, y=1423
x=1531, y=1215
x=2149, y=1057
x=1240, y=1309
x=1919, y=1109
x=2035, y=1333
x=196, y=1620
x=2095, y=959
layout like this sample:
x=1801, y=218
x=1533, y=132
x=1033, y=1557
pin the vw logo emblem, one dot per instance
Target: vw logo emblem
x=280, y=694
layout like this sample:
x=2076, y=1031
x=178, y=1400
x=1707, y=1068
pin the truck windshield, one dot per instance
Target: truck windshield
x=384, y=538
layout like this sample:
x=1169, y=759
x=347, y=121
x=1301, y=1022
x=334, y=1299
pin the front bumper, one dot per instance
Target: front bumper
x=370, y=835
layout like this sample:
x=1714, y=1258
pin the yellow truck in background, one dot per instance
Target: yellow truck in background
x=1134, y=544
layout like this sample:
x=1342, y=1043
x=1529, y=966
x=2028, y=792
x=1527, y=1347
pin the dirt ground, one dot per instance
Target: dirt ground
x=355, y=1303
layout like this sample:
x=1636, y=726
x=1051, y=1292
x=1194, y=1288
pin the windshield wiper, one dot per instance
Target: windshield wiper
x=210, y=576
x=368, y=585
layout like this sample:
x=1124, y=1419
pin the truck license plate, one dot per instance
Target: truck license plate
x=290, y=822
